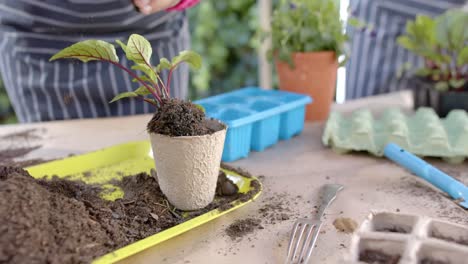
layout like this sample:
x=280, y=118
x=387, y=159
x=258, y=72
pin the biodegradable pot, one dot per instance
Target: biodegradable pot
x=188, y=166
x=425, y=95
x=314, y=73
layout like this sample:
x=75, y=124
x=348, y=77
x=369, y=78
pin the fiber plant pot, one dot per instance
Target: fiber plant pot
x=425, y=95
x=314, y=74
x=188, y=166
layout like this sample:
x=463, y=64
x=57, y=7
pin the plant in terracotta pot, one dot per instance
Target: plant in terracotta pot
x=442, y=83
x=307, y=39
x=187, y=147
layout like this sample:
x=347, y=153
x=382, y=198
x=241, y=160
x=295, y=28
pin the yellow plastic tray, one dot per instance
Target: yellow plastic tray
x=102, y=166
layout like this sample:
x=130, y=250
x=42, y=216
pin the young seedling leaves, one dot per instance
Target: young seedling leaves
x=191, y=58
x=138, y=49
x=146, y=70
x=163, y=64
x=124, y=95
x=463, y=57
x=457, y=84
x=141, y=91
x=88, y=50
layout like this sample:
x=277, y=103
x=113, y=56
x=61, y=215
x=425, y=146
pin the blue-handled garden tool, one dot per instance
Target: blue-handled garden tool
x=439, y=179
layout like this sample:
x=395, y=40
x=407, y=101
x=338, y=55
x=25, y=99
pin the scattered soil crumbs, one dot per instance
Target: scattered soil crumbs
x=438, y=235
x=276, y=209
x=346, y=225
x=179, y=118
x=8, y=156
x=432, y=261
x=62, y=221
x=17, y=145
x=243, y=227
x=28, y=134
x=378, y=257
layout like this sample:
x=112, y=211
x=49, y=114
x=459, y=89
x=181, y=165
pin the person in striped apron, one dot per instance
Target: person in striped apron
x=33, y=30
x=375, y=55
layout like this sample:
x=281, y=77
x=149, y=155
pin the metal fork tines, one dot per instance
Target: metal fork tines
x=305, y=231
x=304, y=235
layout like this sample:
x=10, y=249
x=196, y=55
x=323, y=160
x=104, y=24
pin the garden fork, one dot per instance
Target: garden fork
x=306, y=231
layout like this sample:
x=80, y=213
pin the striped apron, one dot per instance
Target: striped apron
x=31, y=31
x=375, y=56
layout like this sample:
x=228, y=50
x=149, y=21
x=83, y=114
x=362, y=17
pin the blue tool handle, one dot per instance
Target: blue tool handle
x=424, y=170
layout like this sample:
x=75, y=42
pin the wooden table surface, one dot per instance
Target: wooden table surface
x=294, y=171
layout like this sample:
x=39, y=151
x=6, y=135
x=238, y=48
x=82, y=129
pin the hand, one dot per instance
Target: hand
x=152, y=6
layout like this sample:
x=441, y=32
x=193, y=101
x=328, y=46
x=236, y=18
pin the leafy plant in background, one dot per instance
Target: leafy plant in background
x=225, y=33
x=443, y=43
x=307, y=26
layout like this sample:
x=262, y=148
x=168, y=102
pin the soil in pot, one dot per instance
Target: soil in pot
x=378, y=257
x=62, y=221
x=179, y=118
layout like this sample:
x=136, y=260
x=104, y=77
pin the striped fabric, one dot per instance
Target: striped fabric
x=33, y=30
x=375, y=56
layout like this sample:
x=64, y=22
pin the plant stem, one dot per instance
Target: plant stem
x=150, y=102
x=138, y=78
x=168, y=85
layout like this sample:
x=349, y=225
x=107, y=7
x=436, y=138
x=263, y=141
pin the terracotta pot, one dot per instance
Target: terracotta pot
x=314, y=74
x=188, y=167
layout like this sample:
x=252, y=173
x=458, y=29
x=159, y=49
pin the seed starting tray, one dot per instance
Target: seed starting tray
x=415, y=239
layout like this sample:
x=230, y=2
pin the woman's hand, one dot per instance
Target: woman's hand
x=152, y=6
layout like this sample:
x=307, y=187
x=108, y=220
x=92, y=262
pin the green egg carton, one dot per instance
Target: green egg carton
x=423, y=133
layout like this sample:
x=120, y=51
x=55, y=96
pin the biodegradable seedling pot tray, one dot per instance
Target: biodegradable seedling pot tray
x=409, y=239
x=107, y=165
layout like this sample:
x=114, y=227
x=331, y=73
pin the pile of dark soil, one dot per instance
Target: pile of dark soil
x=242, y=227
x=179, y=118
x=378, y=257
x=62, y=221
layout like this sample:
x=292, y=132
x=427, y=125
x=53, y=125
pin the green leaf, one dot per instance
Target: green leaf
x=200, y=107
x=138, y=49
x=406, y=42
x=423, y=72
x=163, y=64
x=88, y=50
x=143, y=78
x=124, y=95
x=122, y=45
x=462, y=58
x=146, y=70
x=190, y=57
x=142, y=90
x=441, y=86
x=457, y=84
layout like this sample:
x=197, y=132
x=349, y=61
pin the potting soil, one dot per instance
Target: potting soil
x=62, y=221
x=179, y=118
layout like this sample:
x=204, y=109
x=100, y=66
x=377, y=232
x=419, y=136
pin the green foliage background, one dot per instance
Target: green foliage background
x=225, y=33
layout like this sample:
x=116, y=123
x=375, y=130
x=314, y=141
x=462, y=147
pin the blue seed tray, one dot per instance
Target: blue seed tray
x=256, y=118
